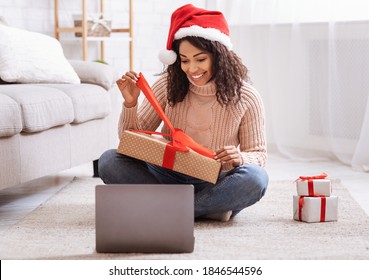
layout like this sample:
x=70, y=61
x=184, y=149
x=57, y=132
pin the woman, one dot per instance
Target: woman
x=204, y=92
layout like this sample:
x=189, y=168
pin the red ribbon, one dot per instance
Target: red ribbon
x=323, y=207
x=181, y=142
x=301, y=204
x=311, y=182
x=304, y=178
x=169, y=157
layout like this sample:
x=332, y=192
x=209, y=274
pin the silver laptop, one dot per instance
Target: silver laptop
x=144, y=218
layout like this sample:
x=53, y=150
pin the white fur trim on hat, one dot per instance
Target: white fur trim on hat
x=167, y=57
x=211, y=34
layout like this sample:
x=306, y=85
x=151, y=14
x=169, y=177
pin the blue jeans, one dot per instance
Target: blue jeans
x=235, y=190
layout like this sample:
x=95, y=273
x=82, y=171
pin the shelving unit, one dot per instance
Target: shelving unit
x=83, y=29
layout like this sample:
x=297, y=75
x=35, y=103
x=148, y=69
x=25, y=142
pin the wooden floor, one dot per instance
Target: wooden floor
x=16, y=202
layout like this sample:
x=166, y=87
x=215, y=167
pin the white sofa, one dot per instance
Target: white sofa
x=48, y=127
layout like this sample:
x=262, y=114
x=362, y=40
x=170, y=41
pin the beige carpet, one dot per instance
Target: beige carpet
x=63, y=228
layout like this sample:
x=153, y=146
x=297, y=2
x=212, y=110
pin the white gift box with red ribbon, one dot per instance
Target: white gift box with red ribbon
x=315, y=209
x=314, y=185
x=311, y=187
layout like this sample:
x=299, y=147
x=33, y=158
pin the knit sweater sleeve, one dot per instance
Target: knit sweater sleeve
x=144, y=116
x=252, y=129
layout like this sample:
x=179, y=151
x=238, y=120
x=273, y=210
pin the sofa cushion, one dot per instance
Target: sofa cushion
x=10, y=116
x=89, y=101
x=41, y=107
x=30, y=57
x=91, y=72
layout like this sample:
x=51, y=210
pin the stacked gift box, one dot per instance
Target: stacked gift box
x=314, y=201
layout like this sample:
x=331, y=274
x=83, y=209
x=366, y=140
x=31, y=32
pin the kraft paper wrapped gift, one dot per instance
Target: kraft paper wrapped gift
x=151, y=149
x=315, y=209
x=311, y=187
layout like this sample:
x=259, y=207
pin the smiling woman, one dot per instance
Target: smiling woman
x=204, y=92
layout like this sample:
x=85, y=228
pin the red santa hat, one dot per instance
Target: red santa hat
x=189, y=20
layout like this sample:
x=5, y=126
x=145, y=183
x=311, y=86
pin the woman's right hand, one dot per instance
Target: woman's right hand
x=130, y=91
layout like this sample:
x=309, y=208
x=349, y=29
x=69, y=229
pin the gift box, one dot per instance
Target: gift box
x=97, y=26
x=311, y=187
x=315, y=209
x=182, y=154
x=316, y=185
x=154, y=150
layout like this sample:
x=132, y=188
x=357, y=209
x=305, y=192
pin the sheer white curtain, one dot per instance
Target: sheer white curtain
x=309, y=59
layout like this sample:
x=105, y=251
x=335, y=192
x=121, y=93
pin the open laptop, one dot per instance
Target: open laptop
x=144, y=218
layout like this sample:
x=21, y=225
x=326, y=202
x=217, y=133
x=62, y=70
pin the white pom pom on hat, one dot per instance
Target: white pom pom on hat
x=167, y=57
x=189, y=20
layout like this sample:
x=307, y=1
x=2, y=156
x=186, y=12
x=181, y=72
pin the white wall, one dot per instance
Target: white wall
x=151, y=24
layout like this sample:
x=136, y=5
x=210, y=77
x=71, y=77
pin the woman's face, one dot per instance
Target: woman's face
x=195, y=63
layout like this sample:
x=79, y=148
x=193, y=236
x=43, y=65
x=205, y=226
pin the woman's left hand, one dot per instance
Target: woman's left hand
x=229, y=154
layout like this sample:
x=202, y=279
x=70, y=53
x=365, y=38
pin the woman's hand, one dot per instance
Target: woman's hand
x=130, y=91
x=229, y=154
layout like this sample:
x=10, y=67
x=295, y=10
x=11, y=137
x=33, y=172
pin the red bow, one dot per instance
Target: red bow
x=181, y=142
x=304, y=178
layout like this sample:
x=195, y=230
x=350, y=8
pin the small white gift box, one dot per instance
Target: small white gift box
x=315, y=209
x=321, y=187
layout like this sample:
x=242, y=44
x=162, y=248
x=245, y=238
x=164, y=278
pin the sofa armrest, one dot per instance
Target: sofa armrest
x=91, y=72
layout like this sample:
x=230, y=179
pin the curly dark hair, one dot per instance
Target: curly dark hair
x=228, y=72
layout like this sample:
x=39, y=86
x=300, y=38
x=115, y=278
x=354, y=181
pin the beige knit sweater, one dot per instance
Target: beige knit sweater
x=206, y=121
